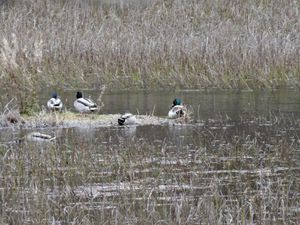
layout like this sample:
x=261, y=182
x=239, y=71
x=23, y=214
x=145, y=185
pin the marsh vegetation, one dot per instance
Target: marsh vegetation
x=218, y=172
x=217, y=169
x=149, y=44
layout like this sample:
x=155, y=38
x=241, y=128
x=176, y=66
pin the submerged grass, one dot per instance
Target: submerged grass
x=242, y=173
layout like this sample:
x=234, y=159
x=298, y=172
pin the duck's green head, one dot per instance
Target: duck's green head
x=177, y=101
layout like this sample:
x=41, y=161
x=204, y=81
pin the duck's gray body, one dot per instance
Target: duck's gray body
x=177, y=111
x=84, y=105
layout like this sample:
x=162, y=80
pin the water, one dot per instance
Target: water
x=206, y=104
x=236, y=162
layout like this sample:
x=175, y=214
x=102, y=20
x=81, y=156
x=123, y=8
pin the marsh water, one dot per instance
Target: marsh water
x=205, y=104
x=237, y=161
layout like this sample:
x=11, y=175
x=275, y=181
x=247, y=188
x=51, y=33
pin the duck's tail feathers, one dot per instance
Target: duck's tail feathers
x=121, y=121
x=93, y=108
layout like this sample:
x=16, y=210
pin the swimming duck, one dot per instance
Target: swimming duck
x=177, y=109
x=84, y=105
x=54, y=103
x=127, y=119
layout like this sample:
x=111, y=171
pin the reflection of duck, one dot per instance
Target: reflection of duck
x=177, y=109
x=54, y=103
x=84, y=105
x=127, y=119
x=128, y=131
x=84, y=133
x=37, y=136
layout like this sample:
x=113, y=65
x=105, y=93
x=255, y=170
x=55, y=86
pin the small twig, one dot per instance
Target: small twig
x=99, y=100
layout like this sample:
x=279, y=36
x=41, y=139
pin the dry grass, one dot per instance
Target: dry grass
x=69, y=119
x=149, y=44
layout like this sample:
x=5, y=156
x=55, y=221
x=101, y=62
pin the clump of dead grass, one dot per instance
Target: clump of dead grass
x=11, y=115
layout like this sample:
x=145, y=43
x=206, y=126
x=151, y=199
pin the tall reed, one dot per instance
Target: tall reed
x=150, y=44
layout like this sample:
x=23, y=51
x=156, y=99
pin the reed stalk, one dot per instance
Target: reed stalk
x=149, y=44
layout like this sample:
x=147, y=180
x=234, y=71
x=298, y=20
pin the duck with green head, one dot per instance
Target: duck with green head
x=177, y=109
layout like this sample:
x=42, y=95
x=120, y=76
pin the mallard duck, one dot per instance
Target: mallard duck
x=37, y=136
x=54, y=103
x=177, y=109
x=84, y=105
x=127, y=119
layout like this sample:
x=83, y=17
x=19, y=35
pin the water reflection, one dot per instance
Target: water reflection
x=84, y=133
x=175, y=135
x=204, y=104
x=128, y=131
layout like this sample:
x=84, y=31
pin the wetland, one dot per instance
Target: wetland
x=237, y=161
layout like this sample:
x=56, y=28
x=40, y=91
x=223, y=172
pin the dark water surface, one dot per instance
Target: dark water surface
x=206, y=104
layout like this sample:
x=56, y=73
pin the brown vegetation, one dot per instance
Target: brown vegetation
x=149, y=44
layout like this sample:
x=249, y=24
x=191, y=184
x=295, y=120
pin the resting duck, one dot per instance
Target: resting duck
x=84, y=105
x=177, y=109
x=37, y=136
x=54, y=103
x=127, y=119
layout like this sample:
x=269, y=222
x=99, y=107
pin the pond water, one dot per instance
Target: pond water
x=206, y=104
x=236, y=162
